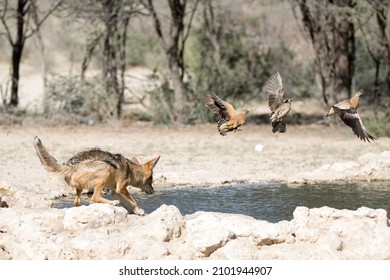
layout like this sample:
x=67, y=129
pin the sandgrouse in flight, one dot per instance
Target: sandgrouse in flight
x=279, y=107
x=347, y=110
x=230, y=119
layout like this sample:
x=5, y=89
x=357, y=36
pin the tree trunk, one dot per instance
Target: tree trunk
x=175, y=59
x=332, y=36
x=174, y=49
x=17, y=51
x=116, y=21
x=344, y=60
x=381, y=16
x=377, y=94
x=16, y=58
x=178, y=89
x=110, y=68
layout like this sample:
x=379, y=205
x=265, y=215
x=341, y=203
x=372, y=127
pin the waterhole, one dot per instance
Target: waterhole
x=269, y=202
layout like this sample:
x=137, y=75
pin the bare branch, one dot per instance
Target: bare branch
x=177, y=15
x=4, y=22
x=4, y=11
x=366, y=41
x=38, y=23
x=88, y=54
x=4, y=93
x=26, y=20
x=8, y=32
x=157, y=23
x=185, y=37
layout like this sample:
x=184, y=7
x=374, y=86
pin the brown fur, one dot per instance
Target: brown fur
x=96, y=169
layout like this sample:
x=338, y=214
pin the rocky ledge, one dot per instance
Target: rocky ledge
x=369, y=167
x=100, y=231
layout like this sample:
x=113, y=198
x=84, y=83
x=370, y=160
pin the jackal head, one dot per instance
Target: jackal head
x=143, y=174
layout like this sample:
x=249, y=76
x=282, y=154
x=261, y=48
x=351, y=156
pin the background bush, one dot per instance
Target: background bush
x=76, y=100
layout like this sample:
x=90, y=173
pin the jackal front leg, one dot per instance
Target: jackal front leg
x=96, y=196
x=76, y=200
x=127, y=200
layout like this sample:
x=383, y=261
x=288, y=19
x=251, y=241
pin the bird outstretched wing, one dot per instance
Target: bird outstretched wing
x=353, y=120
x=275, y=91
x=219, y=106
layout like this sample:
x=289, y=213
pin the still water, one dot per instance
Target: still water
x=269, y=202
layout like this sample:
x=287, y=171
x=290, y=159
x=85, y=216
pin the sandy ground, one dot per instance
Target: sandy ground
x=190, y=155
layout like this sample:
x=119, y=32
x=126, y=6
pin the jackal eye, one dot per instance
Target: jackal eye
x=149, y=180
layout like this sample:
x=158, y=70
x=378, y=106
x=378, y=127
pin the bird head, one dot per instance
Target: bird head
x=288, y=100
x=358, y=94
x=246, y=112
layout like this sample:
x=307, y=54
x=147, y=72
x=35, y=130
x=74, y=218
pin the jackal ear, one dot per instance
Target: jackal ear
x=152, y=163
x=134, y=159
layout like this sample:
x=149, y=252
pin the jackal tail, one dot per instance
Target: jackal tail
x=48, y=161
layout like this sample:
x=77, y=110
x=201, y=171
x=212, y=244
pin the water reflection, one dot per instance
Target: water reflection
x=270, y=202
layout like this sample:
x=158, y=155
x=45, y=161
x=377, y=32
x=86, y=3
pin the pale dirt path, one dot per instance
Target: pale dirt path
x=191, y=156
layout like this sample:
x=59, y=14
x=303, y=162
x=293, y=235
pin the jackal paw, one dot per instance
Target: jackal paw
x=139, y=212
x=115, y=202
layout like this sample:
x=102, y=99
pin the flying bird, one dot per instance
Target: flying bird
x=279, y=107
x=347, y=110
x=230, y=119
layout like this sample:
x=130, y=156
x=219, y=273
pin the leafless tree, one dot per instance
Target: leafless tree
x=20, y=22
x=173, y=42
x=332, y=35
x=109, y=21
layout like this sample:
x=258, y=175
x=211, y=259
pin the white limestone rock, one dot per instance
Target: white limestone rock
x=164, y=224
x=93, y=216
x=100, y=231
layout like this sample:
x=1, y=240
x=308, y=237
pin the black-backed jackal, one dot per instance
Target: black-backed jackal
x=96, y=169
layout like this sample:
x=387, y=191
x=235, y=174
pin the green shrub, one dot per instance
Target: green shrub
x=161, y=100
x=378, y=126
x=83, y=101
